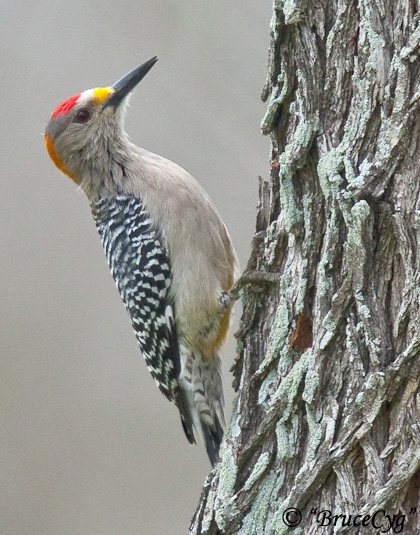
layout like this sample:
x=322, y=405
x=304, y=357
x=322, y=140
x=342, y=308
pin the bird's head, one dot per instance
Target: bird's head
x=85, y=129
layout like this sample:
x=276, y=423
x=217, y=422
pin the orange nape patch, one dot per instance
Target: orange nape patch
x=49, y=145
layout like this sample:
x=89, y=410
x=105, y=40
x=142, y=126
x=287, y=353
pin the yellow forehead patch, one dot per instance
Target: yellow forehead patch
x=101, y=93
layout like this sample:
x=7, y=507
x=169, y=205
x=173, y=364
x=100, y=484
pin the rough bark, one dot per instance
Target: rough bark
x=328, y=365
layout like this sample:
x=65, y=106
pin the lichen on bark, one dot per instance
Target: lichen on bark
x=328, y=368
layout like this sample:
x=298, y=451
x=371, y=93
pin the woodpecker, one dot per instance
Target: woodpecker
x=167, y=247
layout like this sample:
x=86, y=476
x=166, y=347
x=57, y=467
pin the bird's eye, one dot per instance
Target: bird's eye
x=82, y=116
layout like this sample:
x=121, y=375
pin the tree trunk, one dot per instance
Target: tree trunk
x=328, y=367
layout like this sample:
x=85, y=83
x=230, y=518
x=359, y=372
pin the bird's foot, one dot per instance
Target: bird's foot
x=256, y=279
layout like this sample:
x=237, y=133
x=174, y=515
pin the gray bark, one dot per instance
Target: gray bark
x=328, y=365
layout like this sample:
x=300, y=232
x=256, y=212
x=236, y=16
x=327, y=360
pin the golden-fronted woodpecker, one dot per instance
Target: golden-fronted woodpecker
x=167, y=247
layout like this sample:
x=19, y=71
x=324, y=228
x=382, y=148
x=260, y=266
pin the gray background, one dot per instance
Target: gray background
x=88, y=445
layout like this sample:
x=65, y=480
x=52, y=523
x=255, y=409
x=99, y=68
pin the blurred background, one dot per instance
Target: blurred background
x=88, y=445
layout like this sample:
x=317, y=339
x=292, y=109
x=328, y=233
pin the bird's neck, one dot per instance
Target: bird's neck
x=108, y=174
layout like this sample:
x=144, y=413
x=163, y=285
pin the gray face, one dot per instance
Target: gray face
x=57, y=125
x=81, y=134
x=84, y=109
x=85, y=132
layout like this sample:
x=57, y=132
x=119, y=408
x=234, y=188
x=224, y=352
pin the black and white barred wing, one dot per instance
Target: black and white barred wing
x=141, y=269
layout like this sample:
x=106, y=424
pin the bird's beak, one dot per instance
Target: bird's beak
x=128, y=82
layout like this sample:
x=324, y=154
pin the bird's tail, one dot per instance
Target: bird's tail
x=201, y=384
